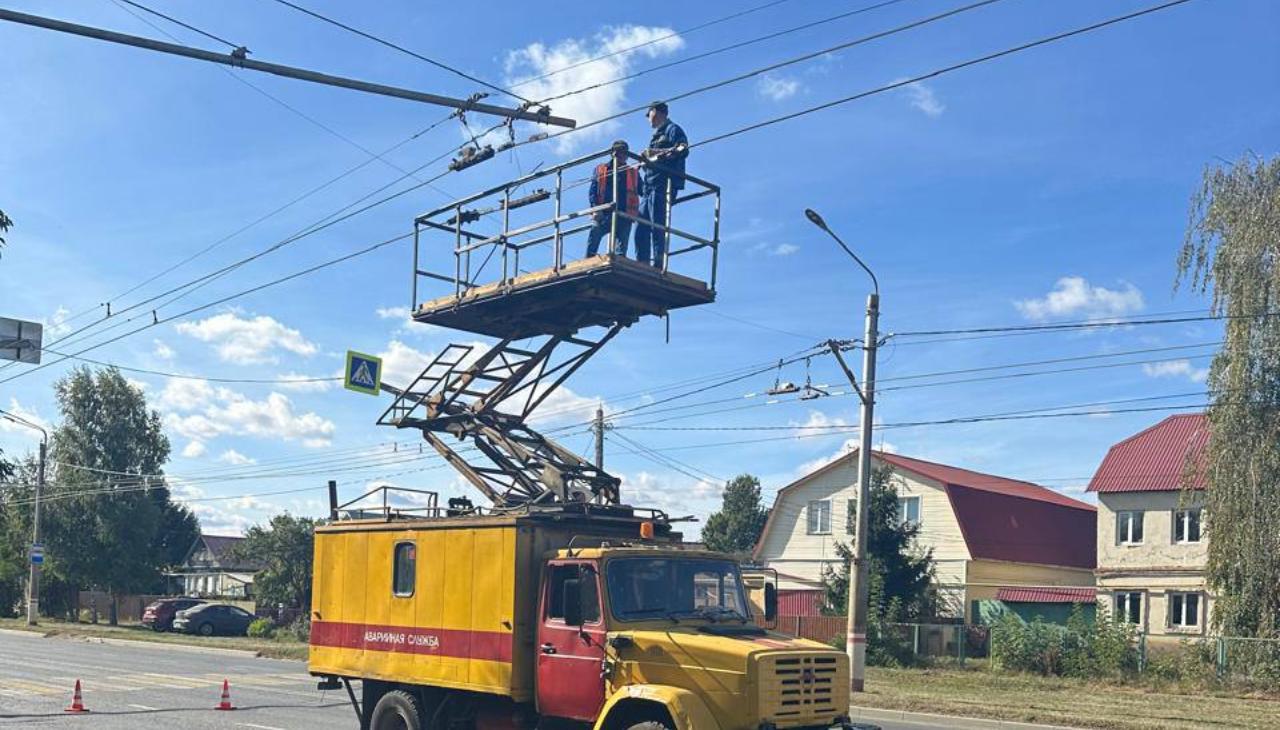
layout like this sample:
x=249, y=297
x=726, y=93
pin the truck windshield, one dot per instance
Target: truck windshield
x=675, y=588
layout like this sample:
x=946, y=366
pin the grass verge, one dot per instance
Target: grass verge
x=276, y=648
x=976, y=692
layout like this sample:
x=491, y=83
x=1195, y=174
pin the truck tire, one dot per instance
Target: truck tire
x=397, y=710
x=650, y=725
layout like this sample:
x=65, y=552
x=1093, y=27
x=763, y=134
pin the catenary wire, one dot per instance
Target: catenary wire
x=175, y=21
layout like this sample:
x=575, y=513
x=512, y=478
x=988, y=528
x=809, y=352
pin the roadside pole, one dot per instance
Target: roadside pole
x=856, y=599
x=598, y=428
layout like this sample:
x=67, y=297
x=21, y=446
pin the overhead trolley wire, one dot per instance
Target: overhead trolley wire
x=192, y=28
x=402, y=49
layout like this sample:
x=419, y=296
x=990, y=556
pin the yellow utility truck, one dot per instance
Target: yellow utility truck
x=574, y=615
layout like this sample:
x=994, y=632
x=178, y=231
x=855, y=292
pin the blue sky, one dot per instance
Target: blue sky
x=1048, y=186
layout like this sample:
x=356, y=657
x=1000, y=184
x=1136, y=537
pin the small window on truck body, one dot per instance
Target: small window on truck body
x=403, y=570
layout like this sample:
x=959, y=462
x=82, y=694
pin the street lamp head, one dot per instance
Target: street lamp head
x=816, y=219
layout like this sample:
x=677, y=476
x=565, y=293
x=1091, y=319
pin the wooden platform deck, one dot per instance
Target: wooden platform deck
x=599, y=290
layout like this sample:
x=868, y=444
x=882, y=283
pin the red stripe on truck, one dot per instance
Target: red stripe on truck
x=494, y=646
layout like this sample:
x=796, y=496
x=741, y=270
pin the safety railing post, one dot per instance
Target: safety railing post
x=613, y=214
x=457, y=252
x=506, y=226
x=559, y=245
x=413, y=296
x=666, y=233
x=715, y=242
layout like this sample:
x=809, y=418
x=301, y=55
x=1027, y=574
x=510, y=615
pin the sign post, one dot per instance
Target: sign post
x=363, y=373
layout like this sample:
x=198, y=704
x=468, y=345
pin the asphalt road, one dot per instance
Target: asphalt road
x=143, y=687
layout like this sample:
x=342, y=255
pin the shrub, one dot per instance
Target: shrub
x=299, y=630
x=1102, y=648
x=262, y=628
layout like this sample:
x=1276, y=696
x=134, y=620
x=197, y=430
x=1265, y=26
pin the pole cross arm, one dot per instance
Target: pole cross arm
x=238, y=60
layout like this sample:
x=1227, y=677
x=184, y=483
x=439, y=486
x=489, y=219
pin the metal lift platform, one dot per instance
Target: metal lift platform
x=520, y=274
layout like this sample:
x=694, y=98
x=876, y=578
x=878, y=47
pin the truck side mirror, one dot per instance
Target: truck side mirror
x=572, y=602
x=770, y=602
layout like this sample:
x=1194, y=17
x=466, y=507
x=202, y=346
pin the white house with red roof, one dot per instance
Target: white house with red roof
x=988, y=534
x=1152, y=545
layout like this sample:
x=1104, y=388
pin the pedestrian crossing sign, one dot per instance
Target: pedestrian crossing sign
x=364, y=373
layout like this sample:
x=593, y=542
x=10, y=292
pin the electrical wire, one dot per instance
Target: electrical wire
x=175, y=21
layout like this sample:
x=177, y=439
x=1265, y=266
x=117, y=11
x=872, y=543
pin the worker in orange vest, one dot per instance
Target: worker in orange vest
x=625, y=178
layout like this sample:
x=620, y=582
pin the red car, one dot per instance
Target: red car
x=158, y=616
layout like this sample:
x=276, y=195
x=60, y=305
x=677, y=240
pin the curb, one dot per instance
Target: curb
x=871, y=714
x=37, y=633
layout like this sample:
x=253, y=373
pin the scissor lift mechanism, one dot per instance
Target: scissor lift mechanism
x=484, y=396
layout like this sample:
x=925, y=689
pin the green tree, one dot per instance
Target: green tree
x=900, y=575
x=284, y=550
x=5, y=224
x=1232, y=250
x=101, y=525
x=738, y=524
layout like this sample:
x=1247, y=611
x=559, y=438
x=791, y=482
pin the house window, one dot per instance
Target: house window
x=1128, y=528
x=851, y=517
x=909, y=510
x=403, y=572
x=1184, y=610
x=1186, y=526
x=1129, y=607
x=818, y=514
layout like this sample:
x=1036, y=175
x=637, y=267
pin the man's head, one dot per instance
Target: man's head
x=619, y=148
x=657, y=114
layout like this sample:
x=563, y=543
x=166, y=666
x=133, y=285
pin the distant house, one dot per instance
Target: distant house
x=1152, y=546
x=988, y=534
x=211, y=570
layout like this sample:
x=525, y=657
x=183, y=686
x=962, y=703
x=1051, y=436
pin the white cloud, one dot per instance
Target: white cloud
x=677, y=496
x=247, y=341
x=392, y=312
x=1073, y=295
x=538, y=59
x=194, y=449
x=24, y=413
x=777, y=88
x=218, y=521
x=402, y=363
x=203, y=414
x=784, y=249
x=407, y=324
x=163, y=351
x=231, y=456
x=183, y=394
x=56, y=326
x=923, y=98
x=1176, y=369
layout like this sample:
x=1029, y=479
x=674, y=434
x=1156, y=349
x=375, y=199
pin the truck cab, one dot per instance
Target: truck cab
x=634, y=635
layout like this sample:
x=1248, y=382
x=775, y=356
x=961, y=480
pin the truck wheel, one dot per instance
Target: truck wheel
x=397, y=710
x=650, y=725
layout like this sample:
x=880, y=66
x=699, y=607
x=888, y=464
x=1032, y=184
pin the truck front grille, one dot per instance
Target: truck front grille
x=803, y=688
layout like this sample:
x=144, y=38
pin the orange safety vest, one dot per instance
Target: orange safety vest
x=633, y=187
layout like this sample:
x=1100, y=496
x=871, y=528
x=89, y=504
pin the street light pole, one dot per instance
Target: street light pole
x=33, y=581
x=856, y=600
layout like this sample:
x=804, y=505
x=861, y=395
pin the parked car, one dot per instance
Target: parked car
x=158, y=615
x=208, y=619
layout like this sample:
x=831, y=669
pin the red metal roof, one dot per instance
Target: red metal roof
x=978, y=480
x=1047, y=595
x=1154, y=460
x=1000, y=518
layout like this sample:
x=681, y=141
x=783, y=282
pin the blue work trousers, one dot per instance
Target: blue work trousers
x=600, y=230
x=651, y=241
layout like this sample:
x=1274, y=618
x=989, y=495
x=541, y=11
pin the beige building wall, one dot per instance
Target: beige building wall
x=1157, y=567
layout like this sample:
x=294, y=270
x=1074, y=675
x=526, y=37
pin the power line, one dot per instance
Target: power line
x=175, y=21
x=403, y=50
x=207, y=378
x=1095, y=324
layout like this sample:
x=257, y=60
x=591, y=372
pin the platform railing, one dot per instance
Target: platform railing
x=523, y=234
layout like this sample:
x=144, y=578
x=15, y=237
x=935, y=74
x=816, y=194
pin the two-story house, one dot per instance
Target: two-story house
x=1152, y=542
x=988, y=534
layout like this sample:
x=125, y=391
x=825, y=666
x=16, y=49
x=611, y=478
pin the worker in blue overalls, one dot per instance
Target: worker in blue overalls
x=662, y=178
x=603, y=184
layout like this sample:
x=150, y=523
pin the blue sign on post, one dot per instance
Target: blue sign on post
x=37, y=554
x=363, y=373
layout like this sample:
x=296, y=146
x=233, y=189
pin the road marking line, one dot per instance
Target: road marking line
x=145, y=707
x=259, y=727
x=24, y=686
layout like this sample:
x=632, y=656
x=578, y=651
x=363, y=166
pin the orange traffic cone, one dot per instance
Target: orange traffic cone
x=77, y=703
x=225, y=704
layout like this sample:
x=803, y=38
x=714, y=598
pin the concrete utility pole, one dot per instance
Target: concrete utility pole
x=856, y=599
x=598, y=429
x=238, y=60
x=36, y=554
